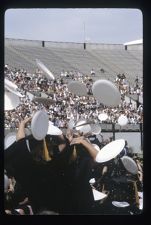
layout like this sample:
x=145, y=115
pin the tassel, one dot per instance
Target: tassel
x=74, y=155
x=74, y=152
x=45, y=152
x=136, y=194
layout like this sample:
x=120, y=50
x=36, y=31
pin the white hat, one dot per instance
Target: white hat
x=103, y=116
x=53, y=130
x=47, y=72
x=11, y=100
x=122, y=120
x=10, y=86
x=92, y=181
x=10, y=138
x=106, y=93
x=120, y=204
x=39, y=124
x=82, y=126
x=77, y=88
x=98, y=195
x=95, y=128
x=110, y=151
x=129, y=164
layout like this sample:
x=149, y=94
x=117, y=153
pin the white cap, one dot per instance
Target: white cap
x=106, y=92
x=53, y=130
x=39, y=124
x=11, y=100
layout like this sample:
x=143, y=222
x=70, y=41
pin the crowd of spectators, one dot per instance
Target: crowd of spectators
x=65, y=104
x=125, y=87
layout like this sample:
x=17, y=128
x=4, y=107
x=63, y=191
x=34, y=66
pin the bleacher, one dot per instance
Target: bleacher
x=120, y=61
x=22, y=54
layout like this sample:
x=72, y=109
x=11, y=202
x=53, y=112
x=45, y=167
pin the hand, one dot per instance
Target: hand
x=11, y=188
x=8, y=212
x=25, y=201
x=26, y=120
x=77, y=140
x=21, y=130
x=69, y=135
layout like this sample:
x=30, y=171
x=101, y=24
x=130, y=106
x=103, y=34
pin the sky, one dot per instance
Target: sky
x=115, y=26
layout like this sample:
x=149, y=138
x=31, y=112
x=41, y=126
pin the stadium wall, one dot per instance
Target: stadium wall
x=88, y=46
x=64, y=44
x=91, y=46
x=10, y=41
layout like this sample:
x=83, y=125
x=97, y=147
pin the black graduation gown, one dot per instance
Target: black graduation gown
x=43, y=182
x=80, y=192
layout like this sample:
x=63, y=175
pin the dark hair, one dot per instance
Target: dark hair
x=36, y=148
x=55, y=139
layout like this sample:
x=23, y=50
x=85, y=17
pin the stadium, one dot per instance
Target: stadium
x=85, y=63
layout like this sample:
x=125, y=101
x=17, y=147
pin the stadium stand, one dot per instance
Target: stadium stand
x=113, y=59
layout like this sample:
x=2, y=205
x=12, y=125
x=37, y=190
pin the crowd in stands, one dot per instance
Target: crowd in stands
x=66, y=105
x=126, y=88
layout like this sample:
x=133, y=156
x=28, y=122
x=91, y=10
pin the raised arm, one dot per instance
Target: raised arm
x=89, y=147
x=21, y=130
